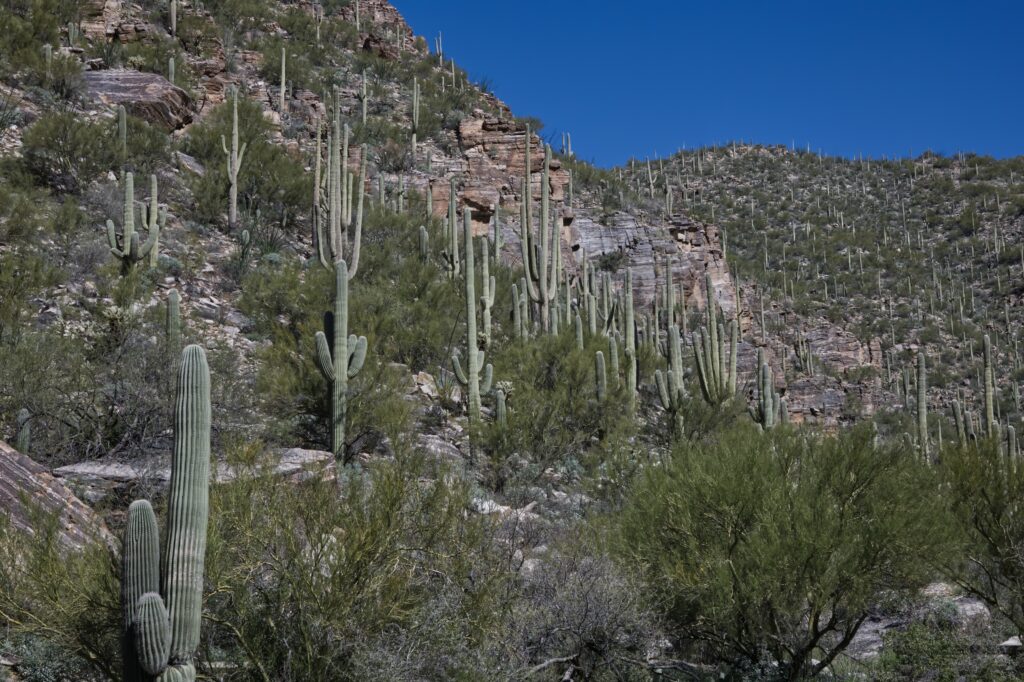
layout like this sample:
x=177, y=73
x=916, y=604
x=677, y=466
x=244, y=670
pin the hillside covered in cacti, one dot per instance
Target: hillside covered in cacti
x=317, y=362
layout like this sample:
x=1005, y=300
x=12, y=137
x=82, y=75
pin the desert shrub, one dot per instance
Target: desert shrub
x=336, y=574
x=60, y=607
x=27, y=25
x=771, y=549
x=65, y=152
x=940, y=652
x=983, y=490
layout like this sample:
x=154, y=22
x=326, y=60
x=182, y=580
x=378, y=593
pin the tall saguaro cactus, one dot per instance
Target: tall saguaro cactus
x=630, y=333
x=284, y=82
x=340, y=357
x=162, y=602
x=715, y=356
x=487, y=298
x=470, y=378
x=671, y=386
x=235, y=156
x=922, y=404
x=541, y=257
x=23, y=438
x=990, y=381
x=332, y=247
x=415, y=114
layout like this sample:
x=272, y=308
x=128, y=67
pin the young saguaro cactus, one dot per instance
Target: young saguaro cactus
x=470, y=378
x=340, y=357
x=162, y=603
x=23, y=437
x=451, y=252
x=173, y=325
x=128, y=248
x=715, y=357
x=235, y=156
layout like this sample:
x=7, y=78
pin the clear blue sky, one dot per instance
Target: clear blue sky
x=878, y=77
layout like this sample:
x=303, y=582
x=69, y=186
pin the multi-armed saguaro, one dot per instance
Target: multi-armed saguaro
x=340, y=357
x=235, y=156
x=541, y=259
x=470, y=378
x=128, y=249
x=716, y=361
x=162, y=602
x=767, y=411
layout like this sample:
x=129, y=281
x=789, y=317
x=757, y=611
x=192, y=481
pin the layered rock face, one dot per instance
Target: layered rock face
x=147, y=95
x=27, y=488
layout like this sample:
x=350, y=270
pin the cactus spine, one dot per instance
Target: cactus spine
x=340, y=357
x=162, y=614
x=470, y=378
x=128, y=249
x=235, y=156
x=922, y=404
x=716, y=361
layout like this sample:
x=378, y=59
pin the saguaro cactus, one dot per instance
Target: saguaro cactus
x=715, y=357
x=23, y=438
x=602, y=377
x=340, y=357
x=331, y=248
x=487, y=299
x=127, y=248
x=540, y=259
x=470, y=378
x=630, y=334
x=162, y=604
x=451, y=253
x=990, y=381
x=173, y=325
x=284, y=82
x=766, y=411
x=235, y=156
x=415, y=114
x=922, y=404
x=671, y=384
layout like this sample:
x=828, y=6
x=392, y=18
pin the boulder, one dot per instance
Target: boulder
x=27, y=487
x=148, y=96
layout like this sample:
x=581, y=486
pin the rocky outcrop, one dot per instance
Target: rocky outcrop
x=99, y=480
x=27, y=488
x=146, y=95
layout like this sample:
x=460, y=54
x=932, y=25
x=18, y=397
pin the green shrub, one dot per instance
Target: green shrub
x=771, y=549
x=66, y=152
x=270, y=178
x=983, y=490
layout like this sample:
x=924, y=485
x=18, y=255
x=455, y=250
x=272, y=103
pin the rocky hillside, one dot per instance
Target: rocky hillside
x=395, y=517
